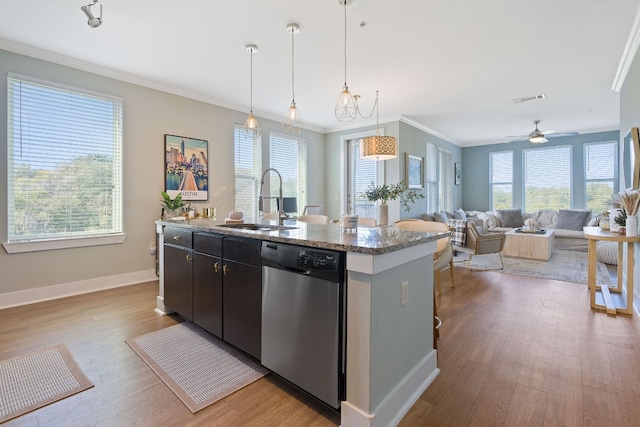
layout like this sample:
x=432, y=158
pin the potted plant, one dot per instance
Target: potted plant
x=171, y=205
x=385, y=192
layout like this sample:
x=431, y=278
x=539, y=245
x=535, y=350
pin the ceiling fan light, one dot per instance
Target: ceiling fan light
x=538, y=139
x=379, y=148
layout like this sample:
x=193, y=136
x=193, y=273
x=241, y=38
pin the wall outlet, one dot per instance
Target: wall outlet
x=152, y=248
x=405, y=293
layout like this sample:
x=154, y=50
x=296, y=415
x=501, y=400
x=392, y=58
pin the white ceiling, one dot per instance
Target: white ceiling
x=450, y=66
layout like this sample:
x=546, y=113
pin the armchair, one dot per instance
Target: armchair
x=481, y=244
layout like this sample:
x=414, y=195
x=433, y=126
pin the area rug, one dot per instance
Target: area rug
x=196, y=366
x=37, y=379
x=567, y=266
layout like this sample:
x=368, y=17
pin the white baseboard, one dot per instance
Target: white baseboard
x=396, y=405
x=46, y=293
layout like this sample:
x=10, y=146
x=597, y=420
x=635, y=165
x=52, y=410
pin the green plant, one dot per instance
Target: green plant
x=621, y=219
x=386, y=192
x=170, y=204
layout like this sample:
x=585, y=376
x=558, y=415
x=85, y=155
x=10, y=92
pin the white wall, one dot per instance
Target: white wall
x=148, y=115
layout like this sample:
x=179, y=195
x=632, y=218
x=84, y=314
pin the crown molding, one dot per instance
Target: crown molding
x=630, y=50
x=428, y=130
x=129, y=78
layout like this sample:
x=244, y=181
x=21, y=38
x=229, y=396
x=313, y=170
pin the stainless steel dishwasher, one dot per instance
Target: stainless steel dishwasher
x=304, y=318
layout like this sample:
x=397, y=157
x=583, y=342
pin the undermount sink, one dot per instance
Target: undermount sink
x=258, y=227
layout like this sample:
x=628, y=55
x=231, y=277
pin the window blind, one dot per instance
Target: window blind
x=445, y=182
x=64, y=163
x=501, y=179
x=431, y=183
x=288, y=155
x=600, y=169
x=547, y=178
x=365, y=172
x=247, y=156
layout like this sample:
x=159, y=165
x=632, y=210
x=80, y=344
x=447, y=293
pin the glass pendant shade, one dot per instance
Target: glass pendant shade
x=379, y=147
x=346, y=107
x=292, y=121
x=251, y=122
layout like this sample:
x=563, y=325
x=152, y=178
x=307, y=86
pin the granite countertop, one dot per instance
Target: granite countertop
x=373, y=241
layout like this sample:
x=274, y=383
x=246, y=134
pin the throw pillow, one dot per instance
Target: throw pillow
x=569, y=219
x=426, y=217
x=459, y=214
x=510, y=218
x=440, y=216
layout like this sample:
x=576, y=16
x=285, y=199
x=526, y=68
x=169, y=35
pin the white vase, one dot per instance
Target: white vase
x=383, y=214
x=631, y=225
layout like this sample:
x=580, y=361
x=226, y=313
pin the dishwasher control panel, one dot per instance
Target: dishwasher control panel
x=316, y=260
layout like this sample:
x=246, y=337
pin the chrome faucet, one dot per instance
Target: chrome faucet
x=281, y=215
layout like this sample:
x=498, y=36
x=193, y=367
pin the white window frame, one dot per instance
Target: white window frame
x=548, y=172
x=252, y=174
x=115, y=234
x=613, y=178
x=493, y=183
x=301, y=160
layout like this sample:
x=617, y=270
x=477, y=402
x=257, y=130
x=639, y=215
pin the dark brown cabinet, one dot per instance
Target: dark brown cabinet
x=207, y=282
x=215, y=281
x=178, y=278
x=242, y=294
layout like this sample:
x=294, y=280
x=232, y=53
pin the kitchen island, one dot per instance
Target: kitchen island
x=390, y=359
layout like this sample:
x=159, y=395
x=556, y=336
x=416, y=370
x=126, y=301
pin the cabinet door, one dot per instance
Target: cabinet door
x=242, y=315
x=207, y=293
x=178, y=291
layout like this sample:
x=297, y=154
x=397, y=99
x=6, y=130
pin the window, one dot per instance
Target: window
x=439, y=179
x=64, y=166
x=547, y=178
x=362, y=173
x=247, y=148
x=445, y=181
x=501, y=185
x=600, y=172
x=288, y=155
x=431, y=182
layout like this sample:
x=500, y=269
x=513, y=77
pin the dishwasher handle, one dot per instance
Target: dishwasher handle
x=294, y=270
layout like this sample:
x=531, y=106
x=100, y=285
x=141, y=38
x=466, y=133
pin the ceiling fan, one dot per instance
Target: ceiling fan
x=538, y=136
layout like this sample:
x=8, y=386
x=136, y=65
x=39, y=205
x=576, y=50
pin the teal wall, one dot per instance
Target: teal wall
x=475, y=162
x=414, y=141
x=411, y=140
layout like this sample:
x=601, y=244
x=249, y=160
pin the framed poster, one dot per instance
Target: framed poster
x=457, y=173
x=414, y=171
x=186, y=167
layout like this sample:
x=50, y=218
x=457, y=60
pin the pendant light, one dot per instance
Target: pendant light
x=292, y=121
x=378, y=147
x=252, y=123
x=346, y=108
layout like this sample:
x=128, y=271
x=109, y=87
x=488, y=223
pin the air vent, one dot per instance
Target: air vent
x=529, y=98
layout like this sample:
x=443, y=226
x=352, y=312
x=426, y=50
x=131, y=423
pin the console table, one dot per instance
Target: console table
x=606, y=302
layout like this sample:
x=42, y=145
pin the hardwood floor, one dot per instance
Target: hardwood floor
x=512, y=351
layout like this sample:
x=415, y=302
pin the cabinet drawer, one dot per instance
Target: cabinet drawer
x=246, y=251
x=210, y=244
x=178, y=237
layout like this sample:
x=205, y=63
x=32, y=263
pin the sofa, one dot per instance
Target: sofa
x=567, y=224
